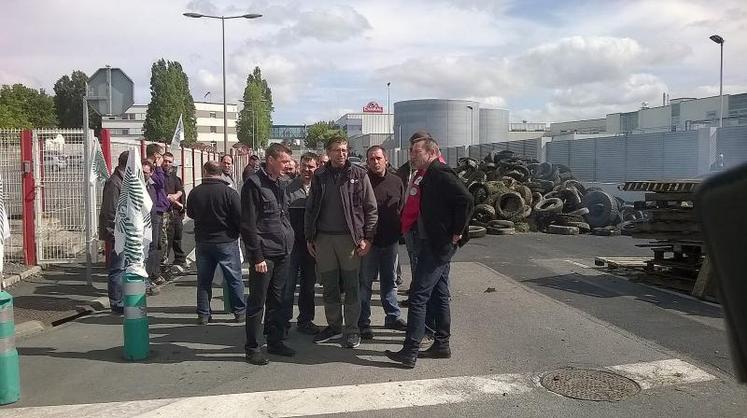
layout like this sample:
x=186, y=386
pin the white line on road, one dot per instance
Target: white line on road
x=577, y=264
x=357, y=398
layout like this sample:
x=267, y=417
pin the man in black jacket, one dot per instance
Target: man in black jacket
x=114, y=262
x=302, y=264
x=268, y=238
x=445, y=210
x=381, y=261
x=172, y=229
x=216, y=210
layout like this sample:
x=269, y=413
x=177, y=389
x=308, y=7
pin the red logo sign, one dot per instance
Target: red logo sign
x=373, y=107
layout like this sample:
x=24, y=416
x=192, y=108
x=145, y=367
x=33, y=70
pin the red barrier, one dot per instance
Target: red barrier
x=28, y=188
x=106, y=148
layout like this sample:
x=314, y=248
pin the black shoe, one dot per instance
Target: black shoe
x=327, y=334
x=435, y=351
x=258, y=358
x=158, y=280
x=352, y=341
x=398, y=324
x=401, y=357
x=239, y=318
x=203, y=320
x=152, y=290
x=367, y=334
x=308, y=328
x=280, y=349
x=117, y=310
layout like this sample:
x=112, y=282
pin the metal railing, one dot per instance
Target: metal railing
x=10, y=168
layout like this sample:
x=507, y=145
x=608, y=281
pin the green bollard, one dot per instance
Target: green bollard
x=10, y=376
x=136, y=338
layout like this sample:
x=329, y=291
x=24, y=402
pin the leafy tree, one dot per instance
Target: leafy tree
x=318, y=133
x=68, y=102
x=255, y=119
x=170, y=97
x=24, y=107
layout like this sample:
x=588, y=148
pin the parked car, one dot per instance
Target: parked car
x=53, y=160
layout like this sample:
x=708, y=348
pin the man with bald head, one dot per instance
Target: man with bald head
x=216, y=210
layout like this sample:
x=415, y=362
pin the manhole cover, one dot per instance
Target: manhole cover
x=590, y=385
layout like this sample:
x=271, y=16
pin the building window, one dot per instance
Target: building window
x=131, y=116
x=213, y=129
x=213, y=115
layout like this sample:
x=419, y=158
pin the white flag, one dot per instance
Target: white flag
x=176, y=142
x=4, y=225
x=99, y=170
x=132, y=224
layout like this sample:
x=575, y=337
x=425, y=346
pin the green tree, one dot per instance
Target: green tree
x=24, y=107
x=170, y=97
x=254, y=123
x=68, y=102
x=318, y=133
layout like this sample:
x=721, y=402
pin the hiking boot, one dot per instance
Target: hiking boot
x=403, y=357
x=398, y=324
x=280, y=349
x=258, y=358
x=352, y=341
x=367, y=334
x=327, y=334
x=308, y=328
x=435, y=351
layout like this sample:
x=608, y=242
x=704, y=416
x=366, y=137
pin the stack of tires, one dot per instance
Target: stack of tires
x=519, y=195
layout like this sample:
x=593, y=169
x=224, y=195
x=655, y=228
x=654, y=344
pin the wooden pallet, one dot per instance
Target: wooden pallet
x=621, y=262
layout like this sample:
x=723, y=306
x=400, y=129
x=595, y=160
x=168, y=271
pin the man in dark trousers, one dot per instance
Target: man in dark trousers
x=154, y=155
x=115, y=262
x=216, y=210
x=268, y=238
x=381, y=261
x=172, y=229
x=445, y=210
x=302, y=265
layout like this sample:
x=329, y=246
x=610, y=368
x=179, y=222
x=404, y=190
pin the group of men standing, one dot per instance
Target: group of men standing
x=335, y=223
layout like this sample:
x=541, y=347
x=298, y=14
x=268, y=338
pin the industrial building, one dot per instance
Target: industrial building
x=682, y=114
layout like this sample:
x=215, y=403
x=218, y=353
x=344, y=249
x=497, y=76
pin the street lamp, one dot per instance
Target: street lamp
x=719, y=40
x=388, y=107
x=223, y=37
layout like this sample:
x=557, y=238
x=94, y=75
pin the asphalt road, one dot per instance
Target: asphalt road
x=545, y=311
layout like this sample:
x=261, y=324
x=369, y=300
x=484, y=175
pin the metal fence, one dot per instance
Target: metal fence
x=10, y=168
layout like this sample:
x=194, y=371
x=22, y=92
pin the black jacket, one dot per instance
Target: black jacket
x=216, y=210
x=265, y=225
x=297, y=207
x=174, y=184
x=445, y=208
x=389, y=192
x=109, y=199
x=358, y=202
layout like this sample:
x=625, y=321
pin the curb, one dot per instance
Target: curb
x=11, y=279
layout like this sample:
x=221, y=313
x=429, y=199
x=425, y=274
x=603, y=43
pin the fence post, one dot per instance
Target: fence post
x=106, y=147
x=28, y=188
x=194, y=179
x=142, y=148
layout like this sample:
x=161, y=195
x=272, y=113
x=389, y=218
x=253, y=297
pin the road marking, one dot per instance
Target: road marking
x=358, y=398
x=577, y=264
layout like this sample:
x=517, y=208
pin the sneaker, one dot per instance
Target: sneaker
x=203, y=320
x=280, y=349
x=435, y=351
x=352, y=341
x=327, y=334
x=401, y=357
x=258, y=358
x=367, y=334
x=239, y=318
x=398, y=324
x=308, y=328
x=426, y=342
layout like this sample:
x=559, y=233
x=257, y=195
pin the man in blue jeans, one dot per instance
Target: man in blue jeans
x=216, y=210
x=445, y=210
x=382, y=259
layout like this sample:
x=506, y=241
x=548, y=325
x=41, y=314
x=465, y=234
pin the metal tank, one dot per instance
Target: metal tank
x=451, y=122
x=493, y=125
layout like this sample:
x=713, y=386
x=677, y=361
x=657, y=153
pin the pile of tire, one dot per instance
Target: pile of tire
x=520, y=195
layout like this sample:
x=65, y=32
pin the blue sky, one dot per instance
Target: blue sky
x=543, y=60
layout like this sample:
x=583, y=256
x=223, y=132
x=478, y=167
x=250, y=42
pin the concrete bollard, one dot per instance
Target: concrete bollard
x=136, y=338
x=10, y=376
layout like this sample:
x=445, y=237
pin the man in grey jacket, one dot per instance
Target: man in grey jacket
x=340, y=223
x=114, y=262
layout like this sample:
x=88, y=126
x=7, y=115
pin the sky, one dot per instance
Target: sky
x=544, y=60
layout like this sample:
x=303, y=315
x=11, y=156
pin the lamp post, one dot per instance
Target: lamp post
x=223, y=39
x=719, y=40
x=388, y=107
